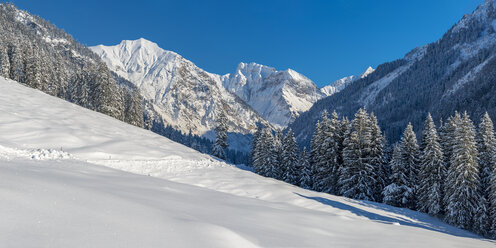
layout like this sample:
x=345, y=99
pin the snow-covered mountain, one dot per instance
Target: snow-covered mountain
x=71, y=177
x=455, y=73
x=187, y=97
x=342, y=83
x=168, y=80
x=279, y=96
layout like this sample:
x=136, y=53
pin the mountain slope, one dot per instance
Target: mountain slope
x=55, y=198
x=185, y=96
x=453, y=73
x=42, y=56
x=279, y=96
x=342, y=83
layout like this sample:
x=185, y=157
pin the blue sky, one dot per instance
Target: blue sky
x=324, y=40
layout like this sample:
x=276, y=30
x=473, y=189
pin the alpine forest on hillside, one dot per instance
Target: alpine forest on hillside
x=451, y=174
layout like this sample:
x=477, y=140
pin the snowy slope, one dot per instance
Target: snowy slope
x=279, y=96
x=342, y=83
x=186, y=97
x=55, y=198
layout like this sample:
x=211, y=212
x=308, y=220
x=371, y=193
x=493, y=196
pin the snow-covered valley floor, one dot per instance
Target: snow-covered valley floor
x=70, y=177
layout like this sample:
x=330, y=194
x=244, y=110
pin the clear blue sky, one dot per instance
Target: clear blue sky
x=324, y=40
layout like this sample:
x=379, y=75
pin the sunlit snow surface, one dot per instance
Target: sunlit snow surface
x=54, y=192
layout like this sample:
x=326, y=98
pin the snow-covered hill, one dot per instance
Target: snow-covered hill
x=56, y=193
x=279, y=96
x=342, y=83
x=186, y=97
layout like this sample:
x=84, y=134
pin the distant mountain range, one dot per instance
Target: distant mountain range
x=189, y=98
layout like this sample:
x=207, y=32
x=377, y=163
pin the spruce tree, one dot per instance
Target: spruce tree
x=486, y=146
x=290, y=159
x=279, y=169
x=410, y=159
x=462, y=181
x=329, y=164
x=253, y=148
x=377, y=159
x=306, y=170
x=398, y=193
x=265, y=153
x=357, y=175
x=492, y=203
x=432, y=171
x=220, y=145
x=4, y=61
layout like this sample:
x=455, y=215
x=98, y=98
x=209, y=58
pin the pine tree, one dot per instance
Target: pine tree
x=104, y=94
x=482, y=223
x=279, y=169
x=16, y=63
x=33, y=68
x=306, y=170
x=253, y=148
x=492, y=203
x=133, y=112
x=315, y=152
x=486, y=145
x=432, y=171
x=462, y=180
x=410, y=159
x=377, y=158
x=290, y=159
x=265, y=156
x=329, y=164
x=4, y=61
x=357, y=177
x=398, y=193
x=220, y=145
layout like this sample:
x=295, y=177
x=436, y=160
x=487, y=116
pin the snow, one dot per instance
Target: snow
x=342, y=83
x=279, y=96
x=185, y=96
x=104, y=183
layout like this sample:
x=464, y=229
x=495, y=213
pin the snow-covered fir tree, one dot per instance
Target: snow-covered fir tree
x=410, y=158
x=4, y=61
x=290, y=160
x=446, y=134
x=377, y=158
x=220, y=145
x=432, y=171
x=492, y=204
x=404, y=168
x=254, y=141
x=279, y=169
x=357, y=175
x=330, y=155
x=316, y=152
x=486, y=146
x=306, y=170
x=265, y=155
x=462, y=183
x=398, y=193
x=482, y=222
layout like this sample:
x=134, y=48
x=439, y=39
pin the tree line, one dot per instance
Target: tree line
x=451, y=174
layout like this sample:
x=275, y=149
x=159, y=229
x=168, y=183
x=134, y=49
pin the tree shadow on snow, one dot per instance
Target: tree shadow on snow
x=421, y=220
